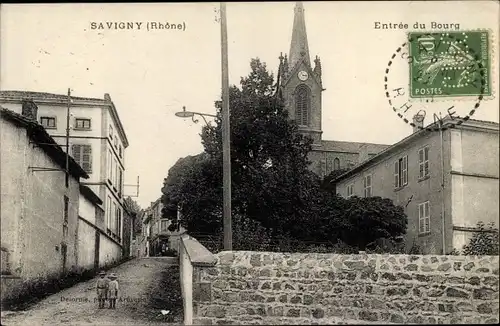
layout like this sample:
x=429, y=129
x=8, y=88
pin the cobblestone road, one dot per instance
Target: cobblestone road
x=147, y=286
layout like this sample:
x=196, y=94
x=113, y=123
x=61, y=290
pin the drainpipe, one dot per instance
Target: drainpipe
x=442, y=190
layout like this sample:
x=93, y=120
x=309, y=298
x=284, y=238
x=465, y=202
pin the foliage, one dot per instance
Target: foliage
x=327, y=183
x=268, y=162
x=274, y=194
x=483, y=242
x=193, y=184
x=134, y=208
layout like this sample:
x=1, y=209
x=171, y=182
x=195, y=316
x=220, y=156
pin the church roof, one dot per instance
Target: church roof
x=351, y=147
x=299, y=46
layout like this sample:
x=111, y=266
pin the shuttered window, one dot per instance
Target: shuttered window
x=401, y=172
x=82, y=154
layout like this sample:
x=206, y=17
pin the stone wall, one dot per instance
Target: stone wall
x=279, y=288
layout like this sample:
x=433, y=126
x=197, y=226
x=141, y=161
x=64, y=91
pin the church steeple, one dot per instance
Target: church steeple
x=299, y=46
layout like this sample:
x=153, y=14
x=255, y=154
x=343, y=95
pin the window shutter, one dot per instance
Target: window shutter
x=87, y=158
x=396, y=174
x=302, y=105
x=404, y=170
x=76, y=150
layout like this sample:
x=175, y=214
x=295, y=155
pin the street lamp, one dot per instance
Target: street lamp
x=226, y=167
x=191, y=114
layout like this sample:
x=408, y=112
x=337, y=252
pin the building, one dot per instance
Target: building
x=448, y=181
x=97, y=142
x=156, y=230
x=301, y=89
x=39, y=224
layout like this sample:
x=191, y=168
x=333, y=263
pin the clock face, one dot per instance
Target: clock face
x=303, y=75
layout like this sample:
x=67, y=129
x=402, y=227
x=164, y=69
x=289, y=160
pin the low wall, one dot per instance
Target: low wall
x=279, y=288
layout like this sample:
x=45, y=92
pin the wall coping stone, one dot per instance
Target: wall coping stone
x=198, y=254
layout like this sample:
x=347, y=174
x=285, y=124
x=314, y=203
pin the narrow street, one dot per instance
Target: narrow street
x=147, y=286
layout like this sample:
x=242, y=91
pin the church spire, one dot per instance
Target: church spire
x=299, y=46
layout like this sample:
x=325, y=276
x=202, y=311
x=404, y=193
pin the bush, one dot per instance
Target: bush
x=484, y=241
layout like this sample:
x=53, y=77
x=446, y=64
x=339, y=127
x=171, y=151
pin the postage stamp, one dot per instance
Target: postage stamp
x=444, y=76
x=451, y=64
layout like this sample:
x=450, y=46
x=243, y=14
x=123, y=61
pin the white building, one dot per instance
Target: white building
x=97, y=142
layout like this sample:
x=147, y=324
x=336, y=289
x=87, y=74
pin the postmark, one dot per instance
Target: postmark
x=441, y=76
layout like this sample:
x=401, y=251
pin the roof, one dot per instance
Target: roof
x=90, y=195
x=413, y=136
x=351, y=147
x=47, y=96
x=50, y=97
x=39, y=135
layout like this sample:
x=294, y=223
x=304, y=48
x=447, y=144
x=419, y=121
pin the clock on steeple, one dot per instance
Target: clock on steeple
x=303, y=75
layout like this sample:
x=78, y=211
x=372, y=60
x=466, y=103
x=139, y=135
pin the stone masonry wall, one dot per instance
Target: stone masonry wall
x=313, y=289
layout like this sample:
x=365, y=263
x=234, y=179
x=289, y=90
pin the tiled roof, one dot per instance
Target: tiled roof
x=38, y=134
x=352, y=147
x=42, y=95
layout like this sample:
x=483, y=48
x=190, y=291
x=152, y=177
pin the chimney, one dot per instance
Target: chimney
x=29, y=110
x=418, y=121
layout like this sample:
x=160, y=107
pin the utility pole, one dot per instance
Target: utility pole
x=67, y=137
x=226, y=139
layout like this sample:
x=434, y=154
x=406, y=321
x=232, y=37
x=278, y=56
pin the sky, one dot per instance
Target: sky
x=151, y=74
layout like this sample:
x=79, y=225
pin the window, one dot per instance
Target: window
x=164, y=225
x=336, y=164
x=48, y=122
x=424, y=218
x=367, y=183
x=110, y=166
x=66, y=215
x=350, y=190
x=108, y=213
x=83, y=156
x=302, y=104
x=118, y=222
x=120, y=150
x=111, y=131
x=423, y=162
x=401, y=172
x=115, y=181
x=81, y=123
x=113, y=220
x=120, y=182
x=116, y=142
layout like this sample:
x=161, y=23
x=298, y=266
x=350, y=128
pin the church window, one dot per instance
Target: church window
x=302, y=105
x=336, y=164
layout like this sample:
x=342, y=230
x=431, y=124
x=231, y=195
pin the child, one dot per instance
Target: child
x=112, y=291
x=102, y=288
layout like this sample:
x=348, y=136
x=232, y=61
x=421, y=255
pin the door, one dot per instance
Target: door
x=97, y=245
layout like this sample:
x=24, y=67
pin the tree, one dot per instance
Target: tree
x=134, y=208
x=193, y=185
x=273, y=191
x=269, y=164
x=483, y=242
x=328, y=184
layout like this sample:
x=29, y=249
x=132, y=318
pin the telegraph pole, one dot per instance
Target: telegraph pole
x=226, y=147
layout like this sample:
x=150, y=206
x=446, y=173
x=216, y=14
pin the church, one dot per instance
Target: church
x=301, y=89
